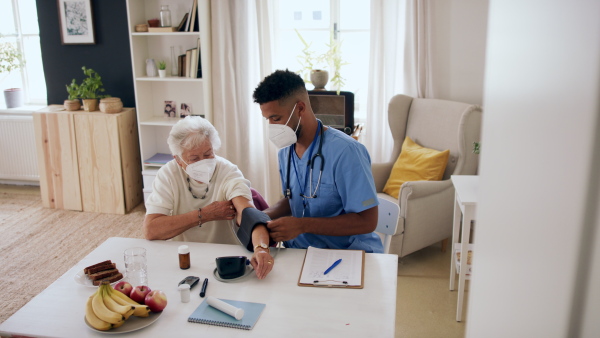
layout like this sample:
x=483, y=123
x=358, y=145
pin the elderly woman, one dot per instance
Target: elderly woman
x=195, y=196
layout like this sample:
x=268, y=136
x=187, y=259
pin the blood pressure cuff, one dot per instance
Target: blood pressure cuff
x=251, y=217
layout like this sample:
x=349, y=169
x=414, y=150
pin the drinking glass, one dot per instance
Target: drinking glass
x=136, y=269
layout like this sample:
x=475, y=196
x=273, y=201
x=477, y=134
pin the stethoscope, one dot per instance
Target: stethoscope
x=311, y=163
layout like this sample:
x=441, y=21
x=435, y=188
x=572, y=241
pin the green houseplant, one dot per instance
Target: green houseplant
x=311, y=64
x=89, y=90
x=162, y=68
x=72, y=102
x=11, y=59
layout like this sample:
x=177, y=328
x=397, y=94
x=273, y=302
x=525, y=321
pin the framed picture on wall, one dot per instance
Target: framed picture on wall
x=76, y=24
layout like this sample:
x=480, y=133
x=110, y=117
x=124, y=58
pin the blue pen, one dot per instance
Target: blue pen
x=333, y=266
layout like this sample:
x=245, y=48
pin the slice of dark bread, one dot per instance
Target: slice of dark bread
x=110, y=279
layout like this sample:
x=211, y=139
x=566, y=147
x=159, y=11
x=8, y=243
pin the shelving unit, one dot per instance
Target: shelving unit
x=152, y=92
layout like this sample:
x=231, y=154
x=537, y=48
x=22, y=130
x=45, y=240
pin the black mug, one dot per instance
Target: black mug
x=230, y=267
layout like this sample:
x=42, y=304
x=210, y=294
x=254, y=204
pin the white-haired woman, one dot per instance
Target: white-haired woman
x=195, y=196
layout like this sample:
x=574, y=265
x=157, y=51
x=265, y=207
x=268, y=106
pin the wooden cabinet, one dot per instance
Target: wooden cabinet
x=88, y=161
x=152, y=92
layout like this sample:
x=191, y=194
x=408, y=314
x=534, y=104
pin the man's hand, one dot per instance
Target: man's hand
x=285, y=228
x=218, y=211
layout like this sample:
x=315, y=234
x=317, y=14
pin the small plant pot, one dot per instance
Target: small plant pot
x=162, y=73
x=90, y=105
x=13, y=97
x=72, y=105
x=111, y=105
x=319, y=78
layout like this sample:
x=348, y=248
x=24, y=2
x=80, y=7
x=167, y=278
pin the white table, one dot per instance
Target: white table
x=291, y=310
x=465, y=204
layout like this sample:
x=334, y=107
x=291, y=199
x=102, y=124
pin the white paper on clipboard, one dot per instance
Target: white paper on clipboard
x=318, y=260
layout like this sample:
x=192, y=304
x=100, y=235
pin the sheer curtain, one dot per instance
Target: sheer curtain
x=241, y=50
x=399, y=64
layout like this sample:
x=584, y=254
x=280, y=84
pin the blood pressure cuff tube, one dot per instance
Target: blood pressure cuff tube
x=251, y=217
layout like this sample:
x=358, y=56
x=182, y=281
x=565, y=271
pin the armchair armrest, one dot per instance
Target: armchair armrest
x=381, y=173
x=420, y=189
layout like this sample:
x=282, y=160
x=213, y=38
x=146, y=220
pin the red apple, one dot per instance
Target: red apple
x=138, y=293
x=156, y=300
x=124, y=287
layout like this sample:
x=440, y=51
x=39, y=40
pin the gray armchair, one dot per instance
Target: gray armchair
x=426, y=207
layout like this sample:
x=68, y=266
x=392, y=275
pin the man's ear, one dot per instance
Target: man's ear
x=301, y=107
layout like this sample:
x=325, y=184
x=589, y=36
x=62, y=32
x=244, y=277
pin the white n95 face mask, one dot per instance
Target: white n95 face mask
x=283, y=135
x=202, y=170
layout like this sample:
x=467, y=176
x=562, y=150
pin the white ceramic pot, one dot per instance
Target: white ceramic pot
x=162, y=73
x=13, y=97
x=319, y=78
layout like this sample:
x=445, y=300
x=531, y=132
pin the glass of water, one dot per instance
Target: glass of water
x=136, y=268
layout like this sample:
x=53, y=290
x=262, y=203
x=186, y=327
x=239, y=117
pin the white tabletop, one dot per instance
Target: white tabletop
x=290, y=310
x=466, y=188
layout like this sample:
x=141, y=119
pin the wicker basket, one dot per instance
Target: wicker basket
x=111, y=105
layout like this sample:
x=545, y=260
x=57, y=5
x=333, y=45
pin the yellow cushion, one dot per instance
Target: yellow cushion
x=416, y=163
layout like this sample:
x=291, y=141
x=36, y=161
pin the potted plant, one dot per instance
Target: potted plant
x=162, y=68
x=312, y=65
x=11, y=59
x=90, y=89
x=72, y=103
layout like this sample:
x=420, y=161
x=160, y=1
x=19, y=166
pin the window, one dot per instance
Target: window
x=316, y=21
x=19, y=26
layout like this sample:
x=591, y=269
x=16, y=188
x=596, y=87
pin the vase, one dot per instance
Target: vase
x=90, y=104
x=173, y=62
x=151, y=69
x=111, y=105
x=319, y=78
x=72, y=105
x=13, y=97
x=162, y=73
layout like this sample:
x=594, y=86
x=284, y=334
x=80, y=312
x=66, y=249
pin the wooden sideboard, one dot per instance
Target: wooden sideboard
x=88, y=161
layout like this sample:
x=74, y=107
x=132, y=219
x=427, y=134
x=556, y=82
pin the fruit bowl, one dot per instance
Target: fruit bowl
x=131, y=324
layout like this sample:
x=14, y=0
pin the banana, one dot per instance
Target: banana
x=125, y=310
x=140, y=310
x=102, y=311
x=93, y=320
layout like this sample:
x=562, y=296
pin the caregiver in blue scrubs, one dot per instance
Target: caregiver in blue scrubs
x=329, y=199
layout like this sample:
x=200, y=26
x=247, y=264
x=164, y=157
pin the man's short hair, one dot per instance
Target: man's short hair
x=278, y=86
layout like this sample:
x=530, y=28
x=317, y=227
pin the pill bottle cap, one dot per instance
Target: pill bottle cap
x=184, y=287
x=184, y=249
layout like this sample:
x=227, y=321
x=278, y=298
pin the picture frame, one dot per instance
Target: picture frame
x=76, y=22
x=170, y=109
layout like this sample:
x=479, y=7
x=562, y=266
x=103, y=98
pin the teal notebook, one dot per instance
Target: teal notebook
x=206, y=314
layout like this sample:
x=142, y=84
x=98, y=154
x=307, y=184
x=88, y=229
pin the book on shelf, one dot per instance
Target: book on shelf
x=198, y=62
x=161, y=29
x=181, y=27
x=188, y=62
x=158, y=159
x=181, y=65
x=193, y=15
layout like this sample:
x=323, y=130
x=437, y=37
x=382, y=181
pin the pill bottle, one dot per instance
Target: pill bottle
x=184, y=257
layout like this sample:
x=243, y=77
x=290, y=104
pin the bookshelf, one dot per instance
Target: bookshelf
x=152, y=92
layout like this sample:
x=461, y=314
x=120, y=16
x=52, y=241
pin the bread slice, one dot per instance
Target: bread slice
x=99, y=268
x=103, y=274
x=96, y=265
x=110, y=279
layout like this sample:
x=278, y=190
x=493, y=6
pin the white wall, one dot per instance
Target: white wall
x=536, y=257
x=458, y=41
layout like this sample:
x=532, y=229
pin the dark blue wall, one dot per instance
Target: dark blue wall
x=110, y=56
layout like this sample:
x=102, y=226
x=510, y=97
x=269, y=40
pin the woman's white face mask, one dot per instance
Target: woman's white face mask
x=282, y=135
x=202, y=170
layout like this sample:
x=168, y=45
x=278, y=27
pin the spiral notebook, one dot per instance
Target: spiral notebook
x=206, y=314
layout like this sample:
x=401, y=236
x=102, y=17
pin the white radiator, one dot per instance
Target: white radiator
x=18, y=159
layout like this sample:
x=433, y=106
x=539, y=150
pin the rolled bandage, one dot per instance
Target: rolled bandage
x=229, y=309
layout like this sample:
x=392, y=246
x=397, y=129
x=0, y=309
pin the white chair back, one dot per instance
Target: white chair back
x=387, y=222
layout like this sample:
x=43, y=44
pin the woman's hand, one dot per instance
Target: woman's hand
x=218, y=210
x=263, y=262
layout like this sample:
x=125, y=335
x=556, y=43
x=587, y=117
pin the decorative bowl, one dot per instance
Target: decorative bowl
x=111, y=105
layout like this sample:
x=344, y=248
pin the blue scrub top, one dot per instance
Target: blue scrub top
x=346, y=186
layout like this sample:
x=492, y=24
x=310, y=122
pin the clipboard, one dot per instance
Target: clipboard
x=317, y=260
